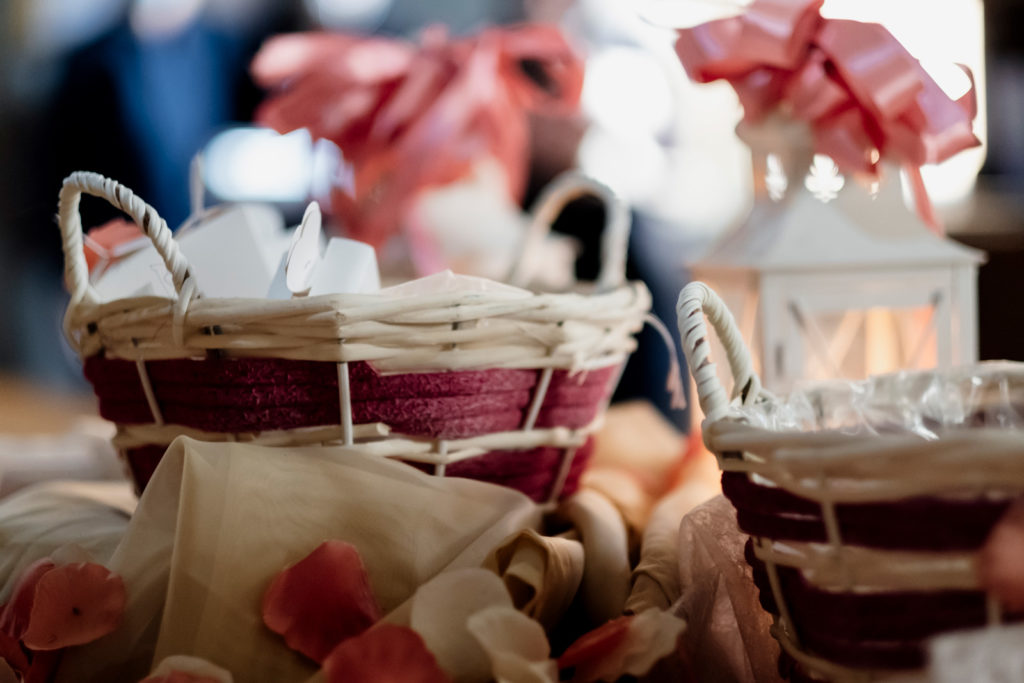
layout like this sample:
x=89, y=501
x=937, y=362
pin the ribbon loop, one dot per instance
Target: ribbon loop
x=412, y=116
x=864, y=96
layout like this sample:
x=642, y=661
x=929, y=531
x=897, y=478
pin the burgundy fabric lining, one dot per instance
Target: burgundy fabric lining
x=443, y=417
x=924, y=523
x=105, y=374
x=230, y=395
x=532, y=472
x=878, y=630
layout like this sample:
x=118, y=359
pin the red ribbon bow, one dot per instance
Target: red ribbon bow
x=409, y=116
x=863, y=95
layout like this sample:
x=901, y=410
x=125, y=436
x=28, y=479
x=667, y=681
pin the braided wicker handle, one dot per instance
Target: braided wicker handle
x=560, y=192
x=696, y=301
x=76, y=272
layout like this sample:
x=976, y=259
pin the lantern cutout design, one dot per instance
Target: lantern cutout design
x=829, y=278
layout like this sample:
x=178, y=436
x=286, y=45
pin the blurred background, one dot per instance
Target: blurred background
x=134, y=89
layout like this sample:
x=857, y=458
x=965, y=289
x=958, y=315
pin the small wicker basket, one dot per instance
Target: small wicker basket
x=863, y=542
x=490, y=385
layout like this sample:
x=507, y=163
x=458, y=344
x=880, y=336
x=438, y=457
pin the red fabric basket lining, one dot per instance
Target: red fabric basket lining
x=253, y=394
x=924, y=523
x=879, y=630
x=532, y=472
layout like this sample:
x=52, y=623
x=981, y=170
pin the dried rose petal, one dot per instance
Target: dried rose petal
x=624, y=646
x=180, y=677
x=74, y=604
x=516, y=645
x=43, y=668
x=596, y=643
x=1001, y=559
x=12, y=653
x=387, y=653
x=187, y=669
x=321, y=600
x=14, y=616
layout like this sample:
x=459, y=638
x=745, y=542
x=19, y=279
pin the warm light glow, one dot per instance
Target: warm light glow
x=258, y=164
x=687, y=13
x=881, y=341
x=628, y=98
x=858, y=343
x=632, y=166
x=625, y=90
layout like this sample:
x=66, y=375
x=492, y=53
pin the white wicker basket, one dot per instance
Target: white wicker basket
x=863, y=544
x=556, y=335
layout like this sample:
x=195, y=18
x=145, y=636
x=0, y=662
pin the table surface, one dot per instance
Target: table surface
x=29, y=409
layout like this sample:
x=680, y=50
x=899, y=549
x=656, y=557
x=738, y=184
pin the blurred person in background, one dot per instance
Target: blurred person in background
x=134, y=90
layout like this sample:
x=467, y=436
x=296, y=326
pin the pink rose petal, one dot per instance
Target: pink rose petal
x=74, y=604
x=43, y=668
x=1001, y=559
x=187, y=669
x=14, y=617
x=625, y=646
x=596, y=643
x=180, y=677
x=387, y=653
x=321, y=600
x=12, y=653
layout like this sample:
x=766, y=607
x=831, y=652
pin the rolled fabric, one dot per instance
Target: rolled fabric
x=605, y=584
x=542, y=573
x=656, y=575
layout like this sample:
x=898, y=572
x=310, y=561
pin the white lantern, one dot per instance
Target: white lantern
x=829, y=278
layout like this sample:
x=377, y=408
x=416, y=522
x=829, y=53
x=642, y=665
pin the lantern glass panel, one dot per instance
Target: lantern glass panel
x=856, y=343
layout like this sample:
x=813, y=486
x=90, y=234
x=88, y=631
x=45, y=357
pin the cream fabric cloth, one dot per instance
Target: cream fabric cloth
x=39, y=520
x=656, y=576
x=605, y=583
x=219, y=520
x=541, y=573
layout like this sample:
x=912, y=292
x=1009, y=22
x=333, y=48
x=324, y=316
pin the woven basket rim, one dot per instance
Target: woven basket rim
x=576, y=330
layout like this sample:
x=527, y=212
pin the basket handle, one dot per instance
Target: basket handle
x=696, y=301
x=76, y=272
x=567, y=187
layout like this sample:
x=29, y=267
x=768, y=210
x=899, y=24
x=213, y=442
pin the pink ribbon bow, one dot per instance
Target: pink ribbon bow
x=863, y=95
x=409, y=117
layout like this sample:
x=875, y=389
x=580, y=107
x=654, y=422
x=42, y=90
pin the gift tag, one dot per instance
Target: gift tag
x=227, y=250
x=345, y=266
x=348, y=267
x=986, y=655
x=304, y=252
